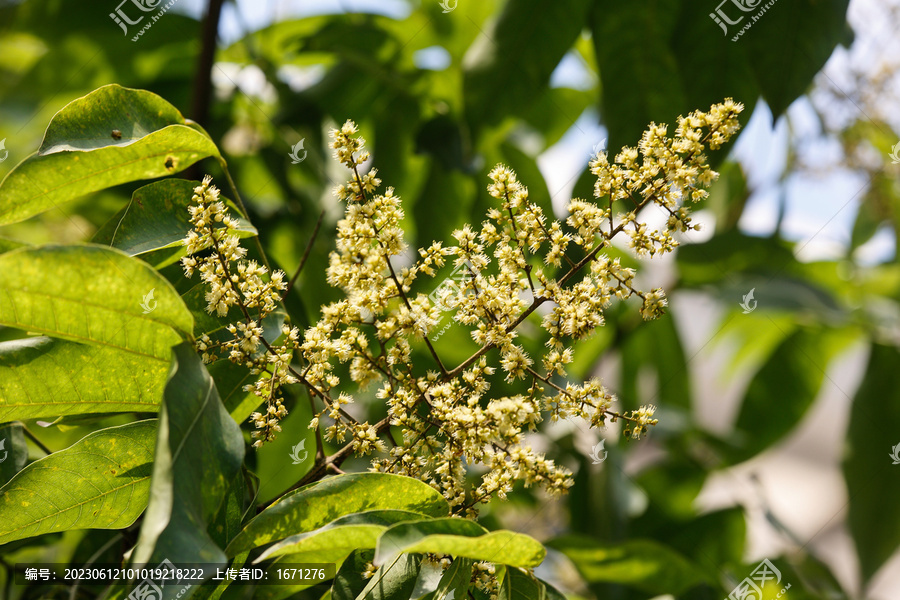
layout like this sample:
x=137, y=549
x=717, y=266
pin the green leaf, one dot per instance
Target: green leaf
x=7, y=244
x=394, y=581
x=100, y=482
x=42, y=377
x=551, y=592
x=782, y=391
x=316, y=505
x=113, y=135
x=13, y=451
x=230, y=381
x=806, y=33
x=348, y=533
x=638, y=70
x=199, y=451
x=157, y=217
x=519, y=585
x=642, y=564
x=349, y=582
x=869, y=469
x=92, y=294
x=459, y=538
x=505, y=66
x=456, y=579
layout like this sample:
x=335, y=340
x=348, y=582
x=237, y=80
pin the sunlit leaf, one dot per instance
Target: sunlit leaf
x=318, y=504
x=113, y=135
x=100, y=482
x=459, y=538
x=42, y=377
x=93, y=295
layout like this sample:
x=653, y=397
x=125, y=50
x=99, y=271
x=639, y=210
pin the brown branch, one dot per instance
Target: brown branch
x=203, y=76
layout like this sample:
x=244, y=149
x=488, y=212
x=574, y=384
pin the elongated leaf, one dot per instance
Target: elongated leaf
x=46, y=181
x=87, y=123
x=459, y=538
x=157, y=217
x=870, y=469
x=519, y=585
x=94, y=295
x=317, y=505
x=100, y=482
x=113, y=135
x=455, y=582
x=348, y=533
x=626, y=34
x=807, y=32
x=42, y=377
x=504, y=66
x=199, y=451
x=782, y=391
x=349, y=582
x=642, y=564
x=394, y=581
x=551, y=593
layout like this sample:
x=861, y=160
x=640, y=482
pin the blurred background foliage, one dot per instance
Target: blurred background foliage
x=443, y=96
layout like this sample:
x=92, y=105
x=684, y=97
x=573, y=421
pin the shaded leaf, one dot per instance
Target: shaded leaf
x=199, y=450
x=13, y=451
x=519, y=585
x=504, y=66
x=807, y=32
x=638, y=70
x=782, y=391
x=643, y=564
x=393, y=581
x=869, y=469
x=157, y=217
x=349, y=582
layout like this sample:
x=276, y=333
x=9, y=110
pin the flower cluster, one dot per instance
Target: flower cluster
x=515, y=262
x=214, y=250
x=518, y=260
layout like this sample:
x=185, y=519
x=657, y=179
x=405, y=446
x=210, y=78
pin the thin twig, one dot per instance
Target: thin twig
x=33, y=438
x=244, y=213
x=309, y=246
